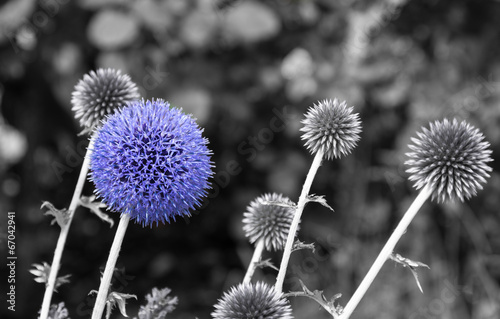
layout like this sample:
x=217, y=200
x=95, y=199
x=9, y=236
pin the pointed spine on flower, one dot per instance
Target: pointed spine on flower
x=150, y=161
x=269, y=217
x=451, y=157
x=332, y=127
x=100, y=93
x=249, y=301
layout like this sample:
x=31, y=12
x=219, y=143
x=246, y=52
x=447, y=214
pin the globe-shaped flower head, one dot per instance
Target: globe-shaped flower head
x=451, y=157
x=269, y=218
x=330, y=126
x=100, y=93
x=250, y=301
x=150, y=161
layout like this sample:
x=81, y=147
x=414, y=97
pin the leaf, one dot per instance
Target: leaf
x=61, y=216
x=298, y=245
x=58, y=311
x=94, y=207
x=42, y=272
x=266, y=263
x=412, y=265
x=318, y=199
x=158, y=305
x=319, y=297
x=115, y=299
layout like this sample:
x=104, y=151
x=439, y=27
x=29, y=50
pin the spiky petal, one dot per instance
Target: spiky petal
x=100, y=93
x=269, y=217
x=331, y=126
x=150, y=161
x=249, y=301
x=451, y=157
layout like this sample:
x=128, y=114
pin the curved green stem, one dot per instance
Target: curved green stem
x=386, y=251
x=51, y=282
x=296, y=220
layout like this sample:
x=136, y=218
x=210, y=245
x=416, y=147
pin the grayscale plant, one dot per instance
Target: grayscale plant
x=100, y=93
x=249, y=301
x=269, y=217
x=330, y=126
x=452, y=158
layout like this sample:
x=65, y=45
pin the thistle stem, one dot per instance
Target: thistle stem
x=386, y=251
x=259, y=247
x=102, y=295
x=296, y=220
x=63, y=235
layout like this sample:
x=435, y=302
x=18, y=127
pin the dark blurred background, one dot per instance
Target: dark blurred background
x=243, y=68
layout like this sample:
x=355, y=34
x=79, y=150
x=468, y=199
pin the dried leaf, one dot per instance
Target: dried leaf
x=159, y=304
x=115, y=299
x=266, y=263
x=61, y=216
x=297, y=245
x=412, y=265
x=319, y=297
x=318, y=199
x=94, y=206
x=58, y=311
x=42, y=272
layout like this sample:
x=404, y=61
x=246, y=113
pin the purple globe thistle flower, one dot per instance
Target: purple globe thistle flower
x=249, y=301
x=100, y=93
x=150, y=161
x=451, y=157
x=330, y=126
x=267, y=221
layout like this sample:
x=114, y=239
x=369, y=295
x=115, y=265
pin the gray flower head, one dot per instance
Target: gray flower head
x=269, y=217
x=451, y=157
x=249, y=301
x=330, y=126
x=100, y=93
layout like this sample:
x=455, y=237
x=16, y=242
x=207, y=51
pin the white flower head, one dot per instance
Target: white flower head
x=451, y=157
x=332, y=127
x=100, y=93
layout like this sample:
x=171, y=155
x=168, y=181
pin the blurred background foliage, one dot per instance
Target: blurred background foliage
x=248, y=70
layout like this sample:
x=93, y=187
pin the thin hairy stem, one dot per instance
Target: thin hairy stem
x=296, y=220
x=102, y=295
x=386, y=251
x=51, y=282
x=259, y=247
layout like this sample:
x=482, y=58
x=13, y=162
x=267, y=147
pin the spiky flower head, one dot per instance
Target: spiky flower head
x=249, y=301
x=451, y=157
x=268, y=217
x=330, y=126
x=150, y=161
x=100, y=93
